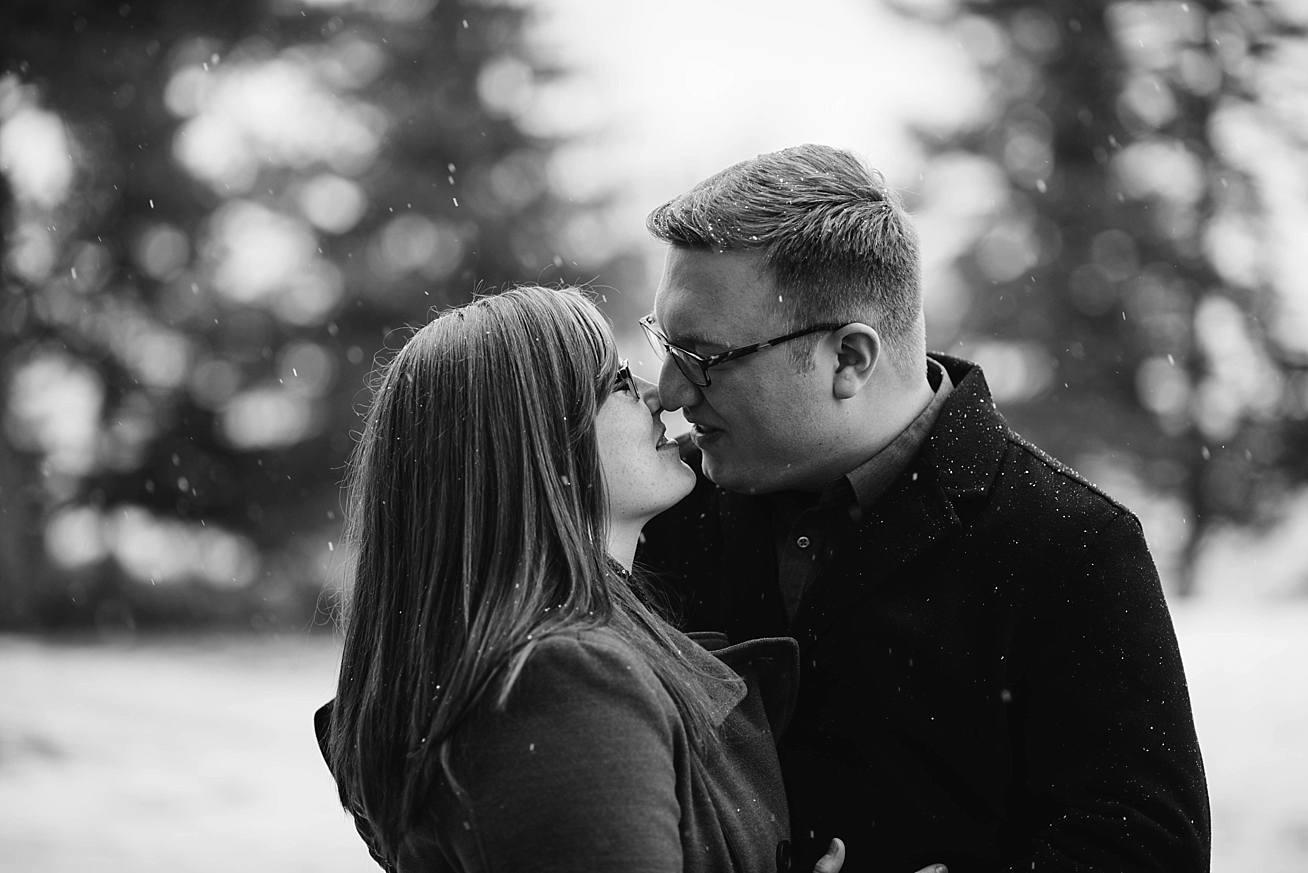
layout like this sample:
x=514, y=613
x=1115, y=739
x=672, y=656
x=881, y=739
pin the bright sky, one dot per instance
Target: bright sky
x=665, y=94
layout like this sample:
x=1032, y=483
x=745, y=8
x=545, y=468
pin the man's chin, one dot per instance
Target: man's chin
x=724, y=474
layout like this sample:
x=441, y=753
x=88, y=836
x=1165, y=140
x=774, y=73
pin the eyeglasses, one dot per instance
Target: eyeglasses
x=695, y=367
x=624, y=381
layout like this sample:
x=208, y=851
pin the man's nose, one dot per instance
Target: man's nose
x=675, y=390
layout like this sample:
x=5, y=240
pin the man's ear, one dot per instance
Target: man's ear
x=858, y=352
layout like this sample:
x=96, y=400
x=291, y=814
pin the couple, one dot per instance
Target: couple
x=946, y=646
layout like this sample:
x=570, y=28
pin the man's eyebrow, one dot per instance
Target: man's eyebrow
x=691, y=338
x=699, y=339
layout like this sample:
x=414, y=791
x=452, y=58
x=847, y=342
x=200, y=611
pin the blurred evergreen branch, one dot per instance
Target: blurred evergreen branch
x=213, y=295
x=1123, y=273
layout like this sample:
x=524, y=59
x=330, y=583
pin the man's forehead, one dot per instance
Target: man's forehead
x=710, y=298
x=692, y=318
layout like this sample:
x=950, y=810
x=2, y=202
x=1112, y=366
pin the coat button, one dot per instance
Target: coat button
x=783, y=856
x=803, y=542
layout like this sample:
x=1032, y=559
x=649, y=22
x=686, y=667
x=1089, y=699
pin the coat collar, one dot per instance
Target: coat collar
x=722, y=686
x=967, y=444
x=772, y=663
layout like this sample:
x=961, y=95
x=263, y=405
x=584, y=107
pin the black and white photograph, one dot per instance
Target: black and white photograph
x=473, y=436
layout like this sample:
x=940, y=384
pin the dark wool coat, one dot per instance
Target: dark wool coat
x=989, y=674
x=589, y=767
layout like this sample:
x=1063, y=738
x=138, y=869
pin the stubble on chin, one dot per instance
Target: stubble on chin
x=722, y=474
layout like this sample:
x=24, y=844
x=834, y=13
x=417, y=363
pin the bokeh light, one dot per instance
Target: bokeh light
x=34, y=151
x=54, y=409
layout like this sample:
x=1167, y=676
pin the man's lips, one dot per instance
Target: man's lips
x=704, y=431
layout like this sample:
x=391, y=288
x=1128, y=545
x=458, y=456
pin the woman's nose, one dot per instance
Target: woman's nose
x=649, y=392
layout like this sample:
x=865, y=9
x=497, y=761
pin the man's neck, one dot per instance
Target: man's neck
x=881, y=418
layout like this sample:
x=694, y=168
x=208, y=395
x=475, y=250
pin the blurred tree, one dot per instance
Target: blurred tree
x=217, y=214
x=1122, y=300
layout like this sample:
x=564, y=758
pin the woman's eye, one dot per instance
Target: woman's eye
x=624, y=382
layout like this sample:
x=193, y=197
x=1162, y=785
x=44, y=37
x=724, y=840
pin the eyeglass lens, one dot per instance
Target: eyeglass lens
x=625, y=380
x=689, y=367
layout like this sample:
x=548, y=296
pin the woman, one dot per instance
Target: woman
x=507, y=700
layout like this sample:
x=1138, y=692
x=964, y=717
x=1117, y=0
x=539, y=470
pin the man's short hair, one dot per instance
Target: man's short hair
x=834, y=238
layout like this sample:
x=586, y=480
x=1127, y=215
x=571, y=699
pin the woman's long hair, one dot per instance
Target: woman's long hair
x=478, y=516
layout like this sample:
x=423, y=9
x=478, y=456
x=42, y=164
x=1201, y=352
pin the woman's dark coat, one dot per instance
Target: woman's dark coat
x=989, y=675
x=589, y=767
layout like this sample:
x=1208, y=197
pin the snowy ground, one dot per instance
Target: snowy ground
x=1248, y=670
x=168, y=756
x=199, y=756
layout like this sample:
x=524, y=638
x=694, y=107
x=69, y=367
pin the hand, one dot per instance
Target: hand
x=834, y=859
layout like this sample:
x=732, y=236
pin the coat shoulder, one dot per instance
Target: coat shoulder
x=1047, y=488
x=593, y=665
x=979, y=457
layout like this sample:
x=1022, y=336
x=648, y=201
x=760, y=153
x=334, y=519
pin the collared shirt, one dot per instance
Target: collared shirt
x=807, y=528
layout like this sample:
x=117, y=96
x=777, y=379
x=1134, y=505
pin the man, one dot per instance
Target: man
x=990, y=675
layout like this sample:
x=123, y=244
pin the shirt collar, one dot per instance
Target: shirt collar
x=870, y=479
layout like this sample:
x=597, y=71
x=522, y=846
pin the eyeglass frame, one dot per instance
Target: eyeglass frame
x=663, y=347
x=623, y=378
